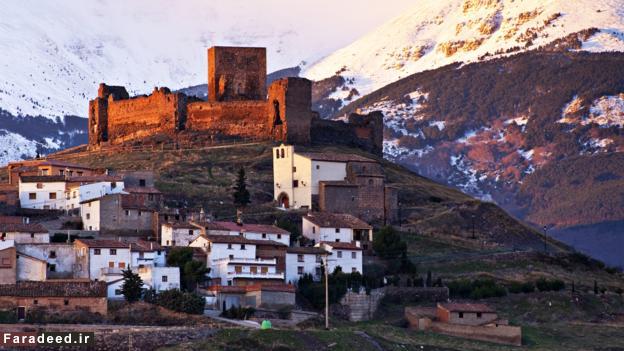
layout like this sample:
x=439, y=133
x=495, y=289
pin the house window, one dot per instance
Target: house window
x=313, y=230
x=337, y=240
x=354, y=255
x=264, y=270
x=243, y=247
x=52, y=196
x=253, y=269
x=127, y=212
x=238, y=269
x=263, y=235
x=142, y=182
x=318, y=167
x=113, y=251
x=113, y=185
x=52, y=267
x=295, y=183
x=61, y=172
x=282, y=153
x=3, y=235
x=277, y=153
x=337, y=230
x=73, y=194
x=35, y=302
x=164, y=279
x=461, y=314
x=279, y=236
x=229, y=246
x=39, y=185
x=167, y=242
x=122, y=265
x=300, y=270
x=299, y=258
x=88, y=215
x=294, y=169
x=370, y=182
x=150, y=197
x=32, y=196
x=353, y=270
x=96, y=251
x=6, y=262
x=117, y=292
x=32, y=235
x=229, y=283
x=231, y=257
x=339, y=254
x=190, y=231
x=478, y=314
x=79, y=173
x=139, y=214
x=317, y=271
x=111, y=264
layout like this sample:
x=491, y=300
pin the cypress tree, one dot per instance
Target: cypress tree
x=132, y=286
x=241, y=194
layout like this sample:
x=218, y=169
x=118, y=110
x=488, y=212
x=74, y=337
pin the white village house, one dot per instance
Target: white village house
x=24, y=233
x=304, y=260
x=296, y=175
x=336, y=227
x=62, y=192
x=234, y=259
x=346, y=255
x=178, y=234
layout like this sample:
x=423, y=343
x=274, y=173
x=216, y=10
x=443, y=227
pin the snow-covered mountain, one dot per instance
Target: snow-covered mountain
x=436, y=33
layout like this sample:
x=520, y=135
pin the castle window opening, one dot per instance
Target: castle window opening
x=277, y=153
x=295, y=183
x=282, y=153
x=276, y=112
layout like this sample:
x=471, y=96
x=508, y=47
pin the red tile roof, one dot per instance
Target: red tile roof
x=103, y=243
x=54, y=289
x=11, y=219
x=43, y=179
x=311, y=250
x=142, y=190
x=334, y=157
x=253, y=287
x=336, y=220
x=95, y=178
x=145, y=246
x=342, y=245
x=22, y=228
x=239, y=239
x=466, y=307
x=255, y=228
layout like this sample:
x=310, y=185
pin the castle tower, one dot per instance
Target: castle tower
x=236, y=73
x=290, y=110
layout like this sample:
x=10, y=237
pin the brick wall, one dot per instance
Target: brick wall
x=8, y=272
x=92, y=304
x=246, y=119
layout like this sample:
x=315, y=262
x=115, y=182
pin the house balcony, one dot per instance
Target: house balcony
x=246, y=261
x=111, y=271
x=257, y=275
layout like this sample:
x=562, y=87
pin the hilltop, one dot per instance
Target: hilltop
x=203, y=177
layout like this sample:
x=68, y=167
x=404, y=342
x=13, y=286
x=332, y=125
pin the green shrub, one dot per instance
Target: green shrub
x=8, y=316
x=476, y=289
x=238, y=312
x=387, y=243
x=519, y=287
x=544, y=284
x=181, y=301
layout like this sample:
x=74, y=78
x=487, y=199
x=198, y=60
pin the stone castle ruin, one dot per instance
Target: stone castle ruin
x=239, y=106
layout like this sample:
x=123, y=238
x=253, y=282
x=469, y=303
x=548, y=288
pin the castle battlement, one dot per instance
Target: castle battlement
x=239, y=105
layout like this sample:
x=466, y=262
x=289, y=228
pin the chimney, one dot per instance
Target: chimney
x=239, y=217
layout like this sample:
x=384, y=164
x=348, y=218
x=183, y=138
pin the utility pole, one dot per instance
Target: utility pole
x=326, y=268
x=545, y=236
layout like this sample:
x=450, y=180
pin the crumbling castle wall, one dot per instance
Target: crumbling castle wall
x=239, y=105
x=361, y=131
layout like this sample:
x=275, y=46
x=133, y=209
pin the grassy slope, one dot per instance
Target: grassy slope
x=204, y=177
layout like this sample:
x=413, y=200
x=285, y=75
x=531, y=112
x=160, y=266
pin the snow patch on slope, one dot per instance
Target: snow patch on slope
x=437, y=33
x=15, y=147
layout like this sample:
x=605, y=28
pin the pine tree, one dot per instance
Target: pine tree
x=241, y=194
x=132, y=286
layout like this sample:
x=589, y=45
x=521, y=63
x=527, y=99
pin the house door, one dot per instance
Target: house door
x=21, y=313
x=283, y=201
x=224, y=305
